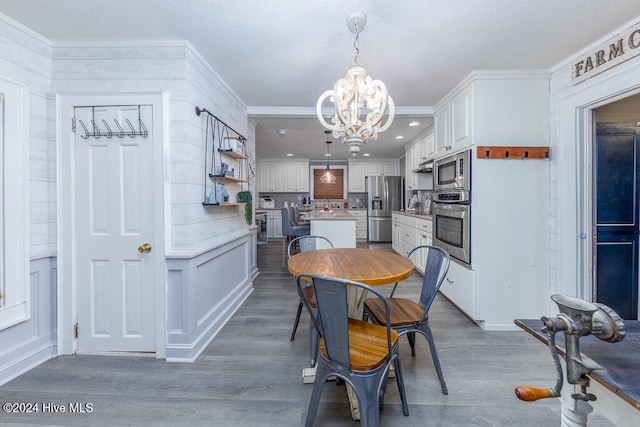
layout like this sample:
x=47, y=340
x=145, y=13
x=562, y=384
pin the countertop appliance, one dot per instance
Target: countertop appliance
x=267, y=203
x=384, y=195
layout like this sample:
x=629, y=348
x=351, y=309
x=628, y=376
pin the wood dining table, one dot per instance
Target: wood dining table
x=372, y=267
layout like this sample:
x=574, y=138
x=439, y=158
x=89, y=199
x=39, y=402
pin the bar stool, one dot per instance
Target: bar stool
x=290, y=231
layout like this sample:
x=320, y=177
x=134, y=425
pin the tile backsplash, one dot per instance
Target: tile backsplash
x=354, y=200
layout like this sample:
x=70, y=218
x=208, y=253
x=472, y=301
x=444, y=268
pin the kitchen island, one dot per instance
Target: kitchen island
x=337, y=225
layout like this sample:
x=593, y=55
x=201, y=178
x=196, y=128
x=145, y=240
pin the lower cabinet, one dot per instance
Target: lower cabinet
x=459, y=287
x=274, y=224
x=361, y=224
x=408, y=232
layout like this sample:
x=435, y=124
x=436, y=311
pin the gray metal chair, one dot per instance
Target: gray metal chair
x=357, y=352
x=305, y=244
x=409, y=317
x=290, y=231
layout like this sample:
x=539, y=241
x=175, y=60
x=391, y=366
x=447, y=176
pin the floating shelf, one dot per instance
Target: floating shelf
x=509, y=152
x=231, y=153
x=228, y=178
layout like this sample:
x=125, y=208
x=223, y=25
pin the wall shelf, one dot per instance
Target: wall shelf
x=511, y=152
x=224, y=150
x=228, y=178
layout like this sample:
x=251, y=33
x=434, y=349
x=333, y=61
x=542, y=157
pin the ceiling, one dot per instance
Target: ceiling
x=280, y=56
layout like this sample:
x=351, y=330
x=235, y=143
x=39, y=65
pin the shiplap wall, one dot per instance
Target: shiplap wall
x=26, y=59
x=196, y=235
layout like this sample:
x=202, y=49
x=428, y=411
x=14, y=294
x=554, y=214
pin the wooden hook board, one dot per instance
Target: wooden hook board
x=507, y=152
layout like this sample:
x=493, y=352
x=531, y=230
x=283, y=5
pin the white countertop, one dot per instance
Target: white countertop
x=331, y=215
x=422, y=216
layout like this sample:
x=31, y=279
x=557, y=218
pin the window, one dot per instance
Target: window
x=328, y=191
x=14, y=213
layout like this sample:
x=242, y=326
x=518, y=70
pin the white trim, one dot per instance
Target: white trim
x=65, y=103
x=15, y=305
x=573, y=154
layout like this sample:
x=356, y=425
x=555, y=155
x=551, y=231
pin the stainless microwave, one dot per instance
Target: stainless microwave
x=453, y=173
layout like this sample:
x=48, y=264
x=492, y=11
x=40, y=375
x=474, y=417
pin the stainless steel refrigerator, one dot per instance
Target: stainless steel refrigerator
x=384, y=195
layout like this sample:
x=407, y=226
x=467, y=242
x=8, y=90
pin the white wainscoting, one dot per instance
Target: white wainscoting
x=32, y=342
x=203, y=293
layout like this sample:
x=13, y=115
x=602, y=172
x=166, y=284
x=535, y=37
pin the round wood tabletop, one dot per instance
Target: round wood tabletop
x=369, y=266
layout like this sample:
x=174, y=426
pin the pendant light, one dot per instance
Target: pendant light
x=327, y=177
x=359, y=101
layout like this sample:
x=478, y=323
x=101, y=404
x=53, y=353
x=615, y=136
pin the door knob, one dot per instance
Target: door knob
x=144, y=248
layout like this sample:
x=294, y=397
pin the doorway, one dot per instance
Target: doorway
x=111, y=296
x=616, y=236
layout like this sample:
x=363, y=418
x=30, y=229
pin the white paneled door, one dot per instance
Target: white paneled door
x=114, y=223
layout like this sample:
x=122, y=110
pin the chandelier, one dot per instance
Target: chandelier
x=327, y=177
x=360, y=102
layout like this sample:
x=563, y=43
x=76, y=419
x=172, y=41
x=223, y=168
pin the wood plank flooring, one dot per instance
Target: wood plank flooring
x=251, y=375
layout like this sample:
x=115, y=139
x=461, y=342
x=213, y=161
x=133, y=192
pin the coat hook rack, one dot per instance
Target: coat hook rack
x=120, y=133
x=510, y=152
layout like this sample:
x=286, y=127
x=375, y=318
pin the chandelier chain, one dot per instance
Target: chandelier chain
x=356, y=45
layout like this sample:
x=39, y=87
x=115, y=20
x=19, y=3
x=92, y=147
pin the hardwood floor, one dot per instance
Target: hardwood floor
x=250, y=375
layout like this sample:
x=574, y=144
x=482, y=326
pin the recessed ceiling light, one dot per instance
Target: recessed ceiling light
x=414, y=124
x=327, y=154
x=399, y=137
x=282, y=131
x=366, y=155
x=289, y=154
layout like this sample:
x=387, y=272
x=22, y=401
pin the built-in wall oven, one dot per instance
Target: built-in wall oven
x=452, y=206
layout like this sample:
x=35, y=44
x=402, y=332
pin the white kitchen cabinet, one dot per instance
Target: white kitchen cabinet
x=462, y=119
x=360, y=169
x=441, y=125
x=283, y=176
x=453, y=121
x=274, y=224
x=509, y=236
x=415, y=154
x=395, y=231
x=361, y=223
x=429, y=146
x=356, y=177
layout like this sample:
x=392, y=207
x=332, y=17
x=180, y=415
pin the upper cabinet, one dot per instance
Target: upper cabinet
x=416, y=153
x=453, y=122
x=359, y=169
x=276, y=176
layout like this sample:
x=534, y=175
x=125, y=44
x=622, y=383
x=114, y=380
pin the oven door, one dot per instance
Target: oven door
x=451, y=225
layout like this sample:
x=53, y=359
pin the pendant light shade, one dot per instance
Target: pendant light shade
x=327, y=177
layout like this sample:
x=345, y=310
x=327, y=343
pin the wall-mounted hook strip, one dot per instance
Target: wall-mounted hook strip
x=120, y=133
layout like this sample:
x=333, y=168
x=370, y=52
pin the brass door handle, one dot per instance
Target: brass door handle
x=144, y=248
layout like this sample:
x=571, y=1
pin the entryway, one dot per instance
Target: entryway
x=616, y=186
x=112, y=282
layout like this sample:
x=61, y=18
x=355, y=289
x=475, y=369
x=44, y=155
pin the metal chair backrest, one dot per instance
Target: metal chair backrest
x=435, y=270
x=309, y=243
x=332, y=321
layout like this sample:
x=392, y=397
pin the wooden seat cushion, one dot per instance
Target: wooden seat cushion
x=307, y=291
x=367, y=345
x=402, y=312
